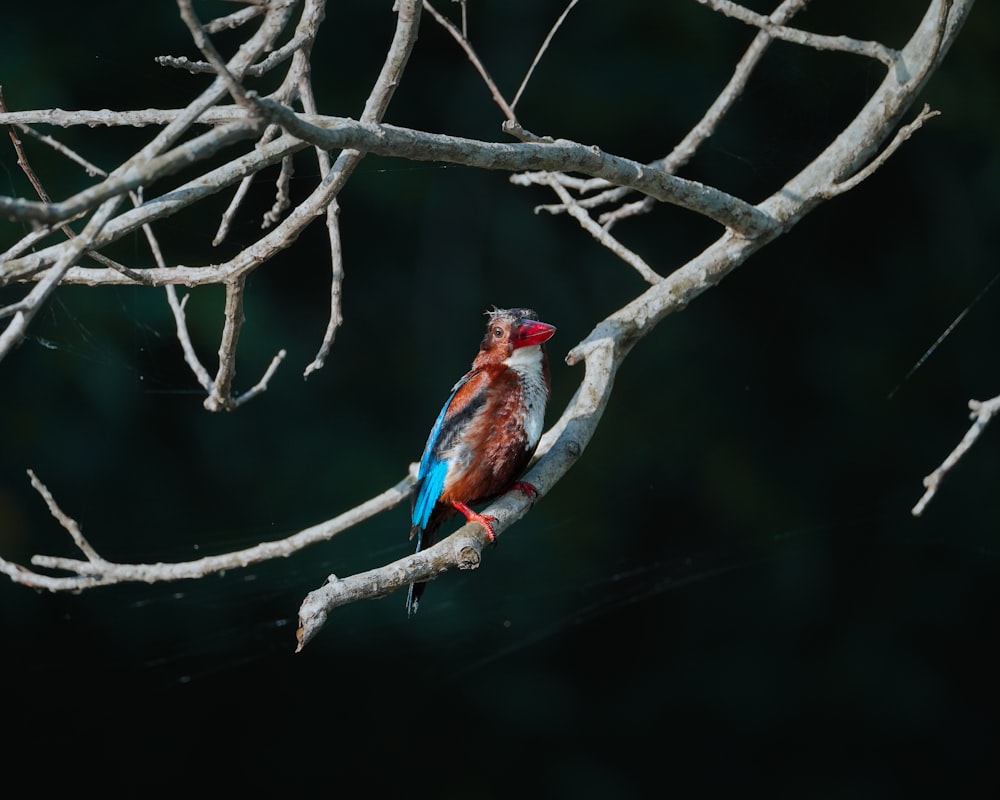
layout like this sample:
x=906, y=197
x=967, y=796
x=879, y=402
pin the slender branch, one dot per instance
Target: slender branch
x=22, y=159
x=201, y=40
x=184, y=337
x=541, y=51
x=464, y=43
x=731, y=92
x=157, y=208
x=261, y=385
x=26, y=242
x=128, y=178
x=982, y=413
x=843, y=44
x=686, y=149
x=140, y=118
x=221, y=395
x=98, y=571
x=601, y=235
x=70, y=524
x=336, y=250
x=226, y=221
x=234, y=20
x=336, y=318
x=901, y=136
x=337, y=133
x=282, y=194
x=560, y=155
x=15, y=330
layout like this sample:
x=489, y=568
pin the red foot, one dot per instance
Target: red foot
x=474, y=516
x=527, y=488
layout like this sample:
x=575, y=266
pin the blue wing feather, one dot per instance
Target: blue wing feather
x=430, y=491
x=432, y=472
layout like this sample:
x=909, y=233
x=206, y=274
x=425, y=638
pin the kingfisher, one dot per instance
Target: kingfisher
x=487, y=430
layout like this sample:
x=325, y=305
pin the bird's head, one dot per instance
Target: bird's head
x=511, y=328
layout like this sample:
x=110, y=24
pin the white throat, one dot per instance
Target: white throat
x=527, y=363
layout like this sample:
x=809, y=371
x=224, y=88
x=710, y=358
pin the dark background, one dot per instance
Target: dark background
x=727, y=592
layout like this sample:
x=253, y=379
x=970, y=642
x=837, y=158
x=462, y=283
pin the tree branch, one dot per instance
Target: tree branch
x=843, y=44
x=982, y=413
x=98, y=571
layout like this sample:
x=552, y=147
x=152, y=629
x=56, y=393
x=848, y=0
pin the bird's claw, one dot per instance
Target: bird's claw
x=487, y=520
x=527, y=489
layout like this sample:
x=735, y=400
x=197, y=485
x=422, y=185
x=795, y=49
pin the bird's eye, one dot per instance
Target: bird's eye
x=498, y=332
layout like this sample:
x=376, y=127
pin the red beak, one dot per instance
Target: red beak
x=531, y=332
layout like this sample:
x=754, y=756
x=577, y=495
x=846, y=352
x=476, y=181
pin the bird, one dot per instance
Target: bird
x=486, y=432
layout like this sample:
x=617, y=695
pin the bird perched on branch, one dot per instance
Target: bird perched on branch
x=487, y=431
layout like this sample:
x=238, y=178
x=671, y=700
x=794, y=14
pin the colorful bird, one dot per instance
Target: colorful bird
x=487, y=431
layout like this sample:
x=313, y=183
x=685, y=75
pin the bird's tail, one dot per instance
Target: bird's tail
x=425, y=538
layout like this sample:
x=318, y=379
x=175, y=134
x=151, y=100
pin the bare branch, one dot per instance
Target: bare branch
x=261, y=385
x=560, y=155
x=982, y=413
x=337, y=133
x=128, y=179
x=26, y=242
x=58, y=118
x=282, y=195
x=541, y=51
x=464, y=43
x=843, y=44
x=220, y=396
x=601, y=235
x=67, y=522
x=901, y=136
x=336, y=251
x=190, y=356
x=151, y=210
x=98, y=571
x=204, y=44
x=336, y=281
x=234, y=20
x=702, y=130
x=75, y=247
x=22, y=159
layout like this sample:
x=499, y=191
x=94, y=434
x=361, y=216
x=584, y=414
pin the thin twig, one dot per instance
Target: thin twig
x=901, y=136
x=70, y=524
x=843, y=44
x=184, y=337
x=22, y=158
x=603, y=236
x=982, y=413
x=204, y=43
x=282, y=194
x=234, y=20
x=336, y=250
x=220, y=397
x=561, y=155
x=15, y=330
x=84, y=575
x=685, y=150
x=541, y=52
x=464, y=43
x=226, y=221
